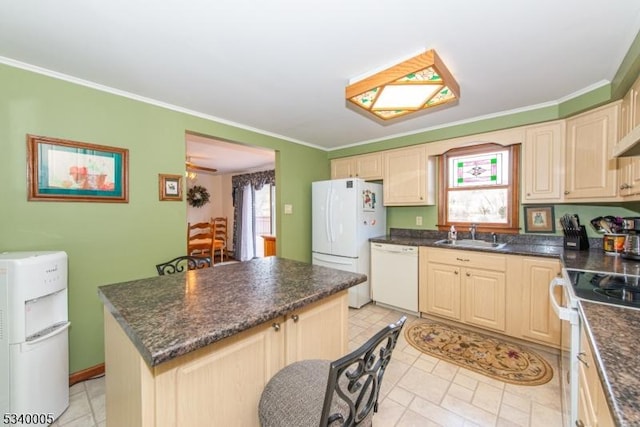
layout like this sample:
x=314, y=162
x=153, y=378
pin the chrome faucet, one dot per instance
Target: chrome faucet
x=472, y=229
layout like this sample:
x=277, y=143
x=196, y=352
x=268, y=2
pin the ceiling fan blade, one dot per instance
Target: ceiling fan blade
x=199, y=168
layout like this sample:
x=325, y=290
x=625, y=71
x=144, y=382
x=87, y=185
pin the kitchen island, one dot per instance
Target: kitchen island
x=197, y=348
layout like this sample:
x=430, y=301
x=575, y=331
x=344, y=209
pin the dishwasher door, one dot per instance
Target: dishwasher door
x=394, y=276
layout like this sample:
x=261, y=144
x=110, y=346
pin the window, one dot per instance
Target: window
x=479, y=185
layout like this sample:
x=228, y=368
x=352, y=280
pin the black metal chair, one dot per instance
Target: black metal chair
x=183, y=263
x=313, y=393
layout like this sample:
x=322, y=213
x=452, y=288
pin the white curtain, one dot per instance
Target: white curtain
x=247, y=244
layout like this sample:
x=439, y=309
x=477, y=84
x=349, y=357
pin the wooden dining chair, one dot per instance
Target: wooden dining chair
x=200, y=239
x=220, y=236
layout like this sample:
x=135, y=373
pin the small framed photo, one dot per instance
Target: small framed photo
x=539, y=219
x=69, y=171
x=170, y=187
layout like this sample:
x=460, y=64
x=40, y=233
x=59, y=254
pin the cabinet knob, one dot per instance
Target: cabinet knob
x=468, y=274
x=462, y=259
x=455, y=272
x=579, y=423
x=276, y=326
x=528, y=194
x=295, y=317
x=566, y=192
x=625, y=186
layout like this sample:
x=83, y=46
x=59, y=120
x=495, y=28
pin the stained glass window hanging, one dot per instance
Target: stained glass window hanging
x=487, y=169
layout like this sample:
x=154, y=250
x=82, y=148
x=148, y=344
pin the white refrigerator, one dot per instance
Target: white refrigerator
x=346, y=214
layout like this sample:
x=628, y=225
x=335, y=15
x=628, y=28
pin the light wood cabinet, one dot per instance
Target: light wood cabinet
x=319, y=331
x=465, y=286
x=591, y=170
x=219, y=384
x=629, y=167
x=471, y=287
x=365, y=166
x=593, y=409
x=484, y=298
x=443, y=299
x=629, y=176
x=538, y=320
x=630, y=110
x=409, y=177
x=543, y=163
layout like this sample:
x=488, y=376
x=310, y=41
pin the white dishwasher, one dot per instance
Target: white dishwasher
x=394, y=276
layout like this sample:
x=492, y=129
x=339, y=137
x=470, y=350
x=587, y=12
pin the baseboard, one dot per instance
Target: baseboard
x=86, y=374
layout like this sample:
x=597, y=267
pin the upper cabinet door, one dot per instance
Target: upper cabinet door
x=369, y=166
x=365, y=166
x=409, y=177
x=342, y=168
x=542, y=163
x=591, y=171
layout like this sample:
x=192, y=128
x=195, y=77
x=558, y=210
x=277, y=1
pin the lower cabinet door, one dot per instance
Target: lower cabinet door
x=221, y=383
x=318, y=331
x=485, y=298
x=443, y=291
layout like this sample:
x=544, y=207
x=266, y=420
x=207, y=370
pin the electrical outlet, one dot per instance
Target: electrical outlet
x=418, y=220
x=288, y=209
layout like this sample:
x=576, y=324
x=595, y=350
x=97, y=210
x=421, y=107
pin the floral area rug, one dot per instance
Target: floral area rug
x=486, y=355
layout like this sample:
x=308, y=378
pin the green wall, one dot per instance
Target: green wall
x=109, y=243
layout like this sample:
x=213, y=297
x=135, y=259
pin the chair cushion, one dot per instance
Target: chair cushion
x=295, y=395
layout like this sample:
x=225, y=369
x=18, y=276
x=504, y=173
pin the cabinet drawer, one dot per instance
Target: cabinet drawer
x=467, y=259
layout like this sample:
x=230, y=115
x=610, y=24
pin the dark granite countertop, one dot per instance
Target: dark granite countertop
x=168, y=316
x=613, y=330
x=614, y=333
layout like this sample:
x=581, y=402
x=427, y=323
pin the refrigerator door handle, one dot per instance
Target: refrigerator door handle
x=327, y=207
x=330, y=235
x=55, y=331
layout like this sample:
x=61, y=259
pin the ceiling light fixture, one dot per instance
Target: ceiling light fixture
x=417, y=84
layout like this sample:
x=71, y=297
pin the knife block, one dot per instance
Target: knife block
x=576, y=239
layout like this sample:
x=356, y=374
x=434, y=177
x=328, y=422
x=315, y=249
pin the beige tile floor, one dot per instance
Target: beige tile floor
x=417, y=390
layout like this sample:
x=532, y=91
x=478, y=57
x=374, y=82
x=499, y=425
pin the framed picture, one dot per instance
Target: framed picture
x=539, y=219
x=170, y=187
x=70, y=171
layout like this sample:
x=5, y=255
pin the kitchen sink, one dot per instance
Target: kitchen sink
x=469, y=243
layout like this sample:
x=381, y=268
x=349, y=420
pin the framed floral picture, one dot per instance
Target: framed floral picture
x=170, y=187
x=70, y=171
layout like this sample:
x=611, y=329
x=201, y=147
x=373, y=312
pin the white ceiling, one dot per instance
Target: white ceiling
x=281, y=66
x=228, y=157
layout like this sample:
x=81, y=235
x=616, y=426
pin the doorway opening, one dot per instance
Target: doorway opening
x=231, y=159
